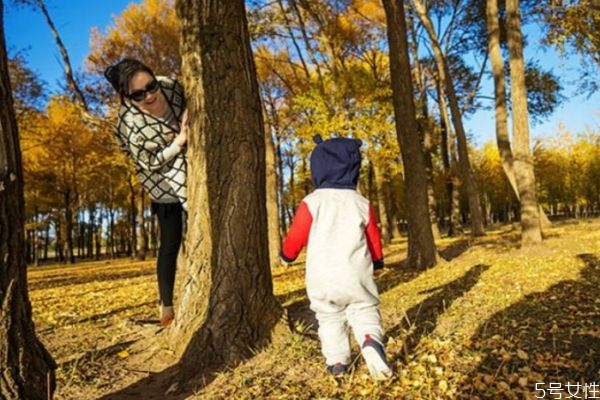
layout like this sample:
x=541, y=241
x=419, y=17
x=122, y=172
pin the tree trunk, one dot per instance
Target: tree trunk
x=273, y=118
x=65, y=56
x=386, y=234
x=110, y=242
x=46, y=240
x=530, y=216
x=154, y=236
x=27, y=367
x=132, y=218
x=272, y=206
x=69, y=250
x=91, y=227
x=393, y=208
x=228, y=309
x=445, y=78
x=142, y=233
x=59, y=247
x=450, y=166
x=280, y=189
x=421, y=246
x=425, y=128
x=502, y=139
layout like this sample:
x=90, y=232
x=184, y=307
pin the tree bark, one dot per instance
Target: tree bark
x=132, y=217
x=27, y=367
x=228, y=308
x=69, y=249
x=421, y=246
x=445, y=78
x=272, y=205
x=530, y=216
x=142, y=233
x=501, y=112
x=425, y=128
x=450, y=166
x=386, y=234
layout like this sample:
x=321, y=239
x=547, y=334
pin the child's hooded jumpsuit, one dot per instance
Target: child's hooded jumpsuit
x=339, y=228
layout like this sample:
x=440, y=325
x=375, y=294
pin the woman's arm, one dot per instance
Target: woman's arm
x=146, y=153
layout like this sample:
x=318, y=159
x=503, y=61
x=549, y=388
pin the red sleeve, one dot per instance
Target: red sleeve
x=374, y=239
x=297, y=236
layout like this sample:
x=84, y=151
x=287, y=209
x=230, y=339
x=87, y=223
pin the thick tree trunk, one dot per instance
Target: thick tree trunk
x=476, y=216
x=27, y=367
x=530, y=216
x=227, y=306
x=421, y=246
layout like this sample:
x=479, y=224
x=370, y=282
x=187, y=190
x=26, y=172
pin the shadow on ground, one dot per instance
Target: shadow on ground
x=552, y=336
x=301, y=319
x=422, y=318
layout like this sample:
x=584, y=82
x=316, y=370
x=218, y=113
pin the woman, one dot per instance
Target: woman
x=152, y=131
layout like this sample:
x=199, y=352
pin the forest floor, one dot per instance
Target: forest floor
x=491, y=321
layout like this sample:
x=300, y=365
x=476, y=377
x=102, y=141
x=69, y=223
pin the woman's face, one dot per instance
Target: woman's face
x=145, y=93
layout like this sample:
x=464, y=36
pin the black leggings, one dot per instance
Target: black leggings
x=170, y=225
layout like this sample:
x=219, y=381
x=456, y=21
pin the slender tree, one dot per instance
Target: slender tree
x=501, y=109
x=523, y=161
x=228, y=308
x=27, y=367
x=446, y=81
x=421, y=246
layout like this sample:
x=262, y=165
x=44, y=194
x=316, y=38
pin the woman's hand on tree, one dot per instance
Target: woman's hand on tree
x=181, y=138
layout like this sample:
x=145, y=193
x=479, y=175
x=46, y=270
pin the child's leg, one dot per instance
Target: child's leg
x=333, y=333
x=365, y=321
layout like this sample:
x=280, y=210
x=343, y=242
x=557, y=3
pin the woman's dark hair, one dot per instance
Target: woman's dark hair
x=119, y=74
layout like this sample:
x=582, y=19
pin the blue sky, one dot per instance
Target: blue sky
x=27, y=30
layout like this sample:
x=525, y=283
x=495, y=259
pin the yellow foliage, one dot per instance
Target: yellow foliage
x=147, y=31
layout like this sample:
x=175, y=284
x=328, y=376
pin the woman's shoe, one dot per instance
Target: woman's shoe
x=167, y=315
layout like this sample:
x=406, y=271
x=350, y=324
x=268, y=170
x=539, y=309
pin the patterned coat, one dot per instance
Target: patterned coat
x=161, y=164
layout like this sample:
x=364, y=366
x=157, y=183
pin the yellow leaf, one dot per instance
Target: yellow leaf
x=443, y=385
x=123, y=354
x=523, y=382
x=522, y=355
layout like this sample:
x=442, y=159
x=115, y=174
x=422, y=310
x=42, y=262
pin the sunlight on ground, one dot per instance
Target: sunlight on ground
x=488, y=323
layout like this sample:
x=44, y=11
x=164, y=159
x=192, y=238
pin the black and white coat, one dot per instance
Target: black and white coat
x=161, y=164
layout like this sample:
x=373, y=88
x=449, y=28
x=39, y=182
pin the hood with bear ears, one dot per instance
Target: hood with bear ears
x=335, y=163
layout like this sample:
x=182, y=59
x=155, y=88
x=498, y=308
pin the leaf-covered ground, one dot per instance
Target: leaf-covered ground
x=490, y=322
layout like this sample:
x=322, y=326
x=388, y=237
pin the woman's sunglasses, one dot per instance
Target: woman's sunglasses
x=140, y=95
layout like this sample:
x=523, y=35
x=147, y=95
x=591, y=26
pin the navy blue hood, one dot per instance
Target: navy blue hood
x=335, y=163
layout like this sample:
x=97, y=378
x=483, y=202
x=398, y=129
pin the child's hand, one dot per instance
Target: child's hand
x=377, y=272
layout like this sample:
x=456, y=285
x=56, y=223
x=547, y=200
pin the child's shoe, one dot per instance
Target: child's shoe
x=337, y=370
x=166, y=315
x=374, y=356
